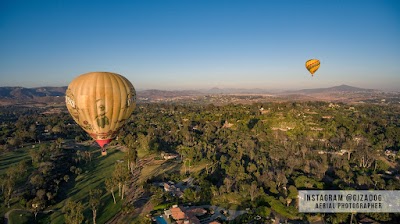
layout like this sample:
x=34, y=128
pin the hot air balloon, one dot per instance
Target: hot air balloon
x=101, y=103
x=312, y=65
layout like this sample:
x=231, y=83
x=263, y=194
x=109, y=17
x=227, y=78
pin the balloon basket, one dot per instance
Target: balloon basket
x=103, y=152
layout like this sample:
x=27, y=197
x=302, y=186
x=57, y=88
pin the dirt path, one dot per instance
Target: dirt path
x=384, y=159
x=6, y=216
x=135, y=194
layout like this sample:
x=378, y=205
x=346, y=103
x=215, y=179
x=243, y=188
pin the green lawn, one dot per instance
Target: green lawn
x=157, y=168
x=24, y=216
x=20, y=217
x=6, y=160
x=93, y=177
x=12, y=158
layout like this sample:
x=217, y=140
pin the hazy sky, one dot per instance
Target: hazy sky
x=188, y=44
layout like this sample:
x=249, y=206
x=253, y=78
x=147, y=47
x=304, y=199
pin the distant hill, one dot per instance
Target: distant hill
x=342, y=93
x=25, y=96
x=165, y=93
x=217, y=90
x=30, y=93
x=334, y=89
x=55, y=95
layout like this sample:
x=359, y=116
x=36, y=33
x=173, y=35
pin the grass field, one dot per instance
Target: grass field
x=11, y=158
x=6, y=160
x=24, y=216
x=158, y=167
x=21, y=217
x=93, y=177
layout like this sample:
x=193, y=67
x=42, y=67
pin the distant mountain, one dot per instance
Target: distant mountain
x=25, y=96
x=217, y=90
x=54, y=95
x=334, y=89
x=151, y=93
x=30, y=93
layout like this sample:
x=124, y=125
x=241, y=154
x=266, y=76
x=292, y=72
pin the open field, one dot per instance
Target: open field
x=12, y=158
x=93, y=177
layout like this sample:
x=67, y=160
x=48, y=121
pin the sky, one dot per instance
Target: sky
x=202, y=44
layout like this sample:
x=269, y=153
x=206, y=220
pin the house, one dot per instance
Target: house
x=181, y=216
x=177, y=213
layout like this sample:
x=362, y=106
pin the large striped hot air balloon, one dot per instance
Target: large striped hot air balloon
x=312, y=65
x=101, y=102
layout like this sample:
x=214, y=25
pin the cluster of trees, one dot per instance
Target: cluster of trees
x=53, y=164
x=8, y=181
x=48, y=168
x=73, y=211
x=262, y=154
x=20, y=126
x=119, y=180
x=42, y=180
x=255, y=156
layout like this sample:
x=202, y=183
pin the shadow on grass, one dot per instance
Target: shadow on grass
x=27, y=217
x=93, y=176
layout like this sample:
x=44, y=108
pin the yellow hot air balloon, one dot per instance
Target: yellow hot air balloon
x=101, y=102
x=312, y=65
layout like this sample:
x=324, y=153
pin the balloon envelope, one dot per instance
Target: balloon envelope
x=101, y=102
x=312, y=65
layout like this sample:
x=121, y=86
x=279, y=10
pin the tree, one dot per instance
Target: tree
x=143, y=142
x=8, y=190
x=339, y=218
x=121, y=176
x=56, y=129
x=3, y=182
x=131, y=153
x=16, y=141
x=66, y=178
x=59, y=142
x=110, y=186
x=293, y=193
x=94, y=202
x=228, y=184
x=73, y=212
x=364, y=181
x=8, y=181
x=253, y=190
x=191, y=195
x=263, y=211
x=281, y=179
x=37, y=205
x=378, y=182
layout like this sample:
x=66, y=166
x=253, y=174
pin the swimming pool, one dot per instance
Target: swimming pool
x=160, y=220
